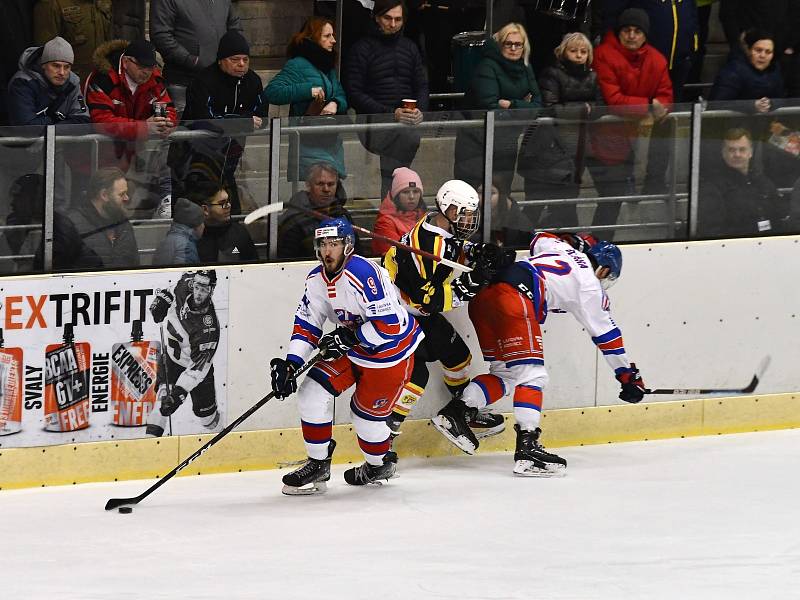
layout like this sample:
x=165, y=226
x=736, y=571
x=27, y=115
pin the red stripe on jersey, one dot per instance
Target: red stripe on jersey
x=354, y=281
x=387, y=328
x=305, y=334
x=397, y=350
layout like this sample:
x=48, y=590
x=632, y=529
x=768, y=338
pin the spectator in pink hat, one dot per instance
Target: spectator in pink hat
x=400, y=210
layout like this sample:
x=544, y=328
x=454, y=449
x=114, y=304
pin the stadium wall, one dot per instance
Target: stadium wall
x=700, y=314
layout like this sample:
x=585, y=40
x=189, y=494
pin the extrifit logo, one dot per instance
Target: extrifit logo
x=51, y=310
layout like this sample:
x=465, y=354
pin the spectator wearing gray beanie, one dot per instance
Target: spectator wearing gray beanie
x=45, y=91
x=179, y=246
x=57, y=50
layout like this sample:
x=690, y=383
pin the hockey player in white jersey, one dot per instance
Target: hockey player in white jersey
x=371, y=346
x=567, y=273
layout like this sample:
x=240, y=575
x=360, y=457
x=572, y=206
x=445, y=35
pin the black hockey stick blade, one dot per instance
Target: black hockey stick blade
x=748, y=389
x=117, y=502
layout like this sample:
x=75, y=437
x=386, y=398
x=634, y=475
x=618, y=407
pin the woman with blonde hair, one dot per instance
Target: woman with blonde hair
x=570, y=87
x=503, y=80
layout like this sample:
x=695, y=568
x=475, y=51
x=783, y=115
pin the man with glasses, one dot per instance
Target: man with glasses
x=127, y=97
x=224, y=240
x=227, y=90
x=383, y=70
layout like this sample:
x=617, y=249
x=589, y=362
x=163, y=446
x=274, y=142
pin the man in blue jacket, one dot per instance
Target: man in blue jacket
x=45, y=91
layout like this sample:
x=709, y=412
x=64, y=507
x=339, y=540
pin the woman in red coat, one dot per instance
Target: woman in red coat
x=400, y=210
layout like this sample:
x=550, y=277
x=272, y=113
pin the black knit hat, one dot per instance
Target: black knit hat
x=635, y=17
x=232, y=44
x=383, y=6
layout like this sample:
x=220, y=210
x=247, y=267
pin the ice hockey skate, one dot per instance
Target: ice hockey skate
x=531, y=459
x=311, y=478
x=452, y=424
x=485, y=424
x=372, y=474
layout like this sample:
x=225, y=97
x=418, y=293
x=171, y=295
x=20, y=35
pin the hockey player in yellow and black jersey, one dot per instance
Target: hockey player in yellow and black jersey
x=189, y=320
x=431, y=288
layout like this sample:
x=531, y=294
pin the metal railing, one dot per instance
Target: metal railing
x=435, y=123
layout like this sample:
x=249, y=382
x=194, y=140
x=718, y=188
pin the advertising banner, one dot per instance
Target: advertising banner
x=105, y=357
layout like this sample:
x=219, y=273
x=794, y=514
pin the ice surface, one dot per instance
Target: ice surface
x=700, y=518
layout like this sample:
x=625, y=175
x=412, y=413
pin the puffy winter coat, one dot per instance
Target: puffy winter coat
x=394, y=223
x=567, y=88
x=740, y=80
x=114, y=242
x=673, y=24
x=179, y=247
x=732, y=203
x=30, y=95
x=630, y=81
x=111, y=103
x=382, y=70
x=497, y=78
x=567, y=84
x=187, y=34
x=307, y=69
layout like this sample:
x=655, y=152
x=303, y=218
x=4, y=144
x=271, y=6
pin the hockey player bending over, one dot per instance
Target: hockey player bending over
x=429, y=288
x=372, y=347
x=190, y=323
x=563, y=274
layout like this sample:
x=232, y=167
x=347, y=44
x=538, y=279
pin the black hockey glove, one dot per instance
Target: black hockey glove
x=336, y=343
x=173, y=400
x=467, y=286
x=283, y=381
x=160, y=305
x=632, y=385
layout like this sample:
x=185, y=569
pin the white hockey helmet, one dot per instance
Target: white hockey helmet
x=467, y=202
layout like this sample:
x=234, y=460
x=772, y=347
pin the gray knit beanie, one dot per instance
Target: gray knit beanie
x=187, y=212
x=57, y=49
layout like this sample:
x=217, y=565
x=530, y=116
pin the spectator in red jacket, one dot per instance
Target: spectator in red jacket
x=400, y=210
x=635, y=83
x=128, y=100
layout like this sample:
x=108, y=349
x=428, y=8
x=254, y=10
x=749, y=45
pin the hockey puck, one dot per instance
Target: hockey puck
x=125, y=510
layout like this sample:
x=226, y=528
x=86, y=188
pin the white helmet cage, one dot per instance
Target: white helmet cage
x=467, y=202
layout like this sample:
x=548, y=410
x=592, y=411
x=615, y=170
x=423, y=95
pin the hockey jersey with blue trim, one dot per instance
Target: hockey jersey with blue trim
x=362, y=298
x=561, y=279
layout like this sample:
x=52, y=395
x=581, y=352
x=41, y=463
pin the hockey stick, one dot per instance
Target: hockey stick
x=117, y=502
x=280, y=206
x=748, y=389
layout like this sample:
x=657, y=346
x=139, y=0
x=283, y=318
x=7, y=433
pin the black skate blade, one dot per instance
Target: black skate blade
x=484, y=432
x=460, y=442
x=316, y=488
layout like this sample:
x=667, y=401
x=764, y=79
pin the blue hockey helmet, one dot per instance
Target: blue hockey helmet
x=607, y=255
x=337, y=229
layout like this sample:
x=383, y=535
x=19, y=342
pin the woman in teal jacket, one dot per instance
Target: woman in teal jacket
x=503, y=80
x=308, y=83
